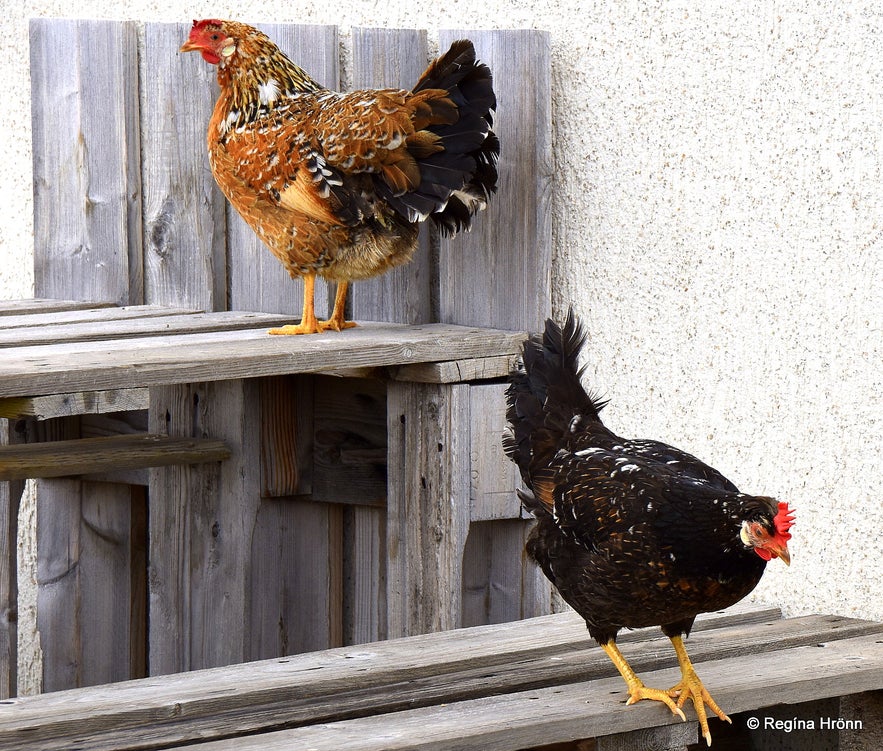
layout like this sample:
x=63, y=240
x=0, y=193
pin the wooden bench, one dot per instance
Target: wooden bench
x=507, y=687
x=334, y=485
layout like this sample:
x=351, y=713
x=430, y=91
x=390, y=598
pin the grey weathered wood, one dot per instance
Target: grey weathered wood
x=201, y=522
x=101, y=454
x=52, y=320
x=504, y=677
x=68, y=405
x=499, y=274
x=514, y=721
x=184, y=211
x=394, y=58
x=428, y=505
x=125, y=363
x=10, y=497
x=87, y=208
x=364, y=584
x=257, y=280
x=45, y=305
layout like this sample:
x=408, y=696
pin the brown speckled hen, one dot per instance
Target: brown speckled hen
x=335, y=184
x=632, y=533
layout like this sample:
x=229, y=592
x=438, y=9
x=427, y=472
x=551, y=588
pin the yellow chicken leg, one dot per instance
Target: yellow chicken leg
x=337, y=320
x=690, y=687
x=308, y=323
x=637, y=690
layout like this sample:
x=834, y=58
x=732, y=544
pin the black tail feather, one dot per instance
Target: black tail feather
x=545, y=399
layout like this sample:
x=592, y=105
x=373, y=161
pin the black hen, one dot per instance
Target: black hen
x=632, y=533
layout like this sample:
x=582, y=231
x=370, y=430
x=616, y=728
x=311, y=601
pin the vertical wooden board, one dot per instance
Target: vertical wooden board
x=364, y=584
x=286, y=435
x=393, y=58
x=257, y=280
x=105, y=583
x=494, y=478
x=428, y=505
x=499, y=583
x=202, y=519
x=87, y=207
x=296, y=578
x=184, y=211
x=499, y=274
x=10, y=498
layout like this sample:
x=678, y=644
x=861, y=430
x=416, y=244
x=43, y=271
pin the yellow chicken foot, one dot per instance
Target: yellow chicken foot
x=690, y=687
x=308, y=323
x=337, y=320
x=637, y=690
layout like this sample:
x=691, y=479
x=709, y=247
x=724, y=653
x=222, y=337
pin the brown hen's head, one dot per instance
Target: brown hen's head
x=768, y=534
x=210, y=38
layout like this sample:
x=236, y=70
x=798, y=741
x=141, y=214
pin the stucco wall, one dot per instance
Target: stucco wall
x=718, y=224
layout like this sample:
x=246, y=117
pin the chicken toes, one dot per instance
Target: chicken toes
x=690, y=687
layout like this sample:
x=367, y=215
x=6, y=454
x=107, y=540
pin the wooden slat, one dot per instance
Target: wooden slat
x=83, y=455
x=386, y=677
x=427, y=505
x=87, y=207
x=257, y=280
x=68, y=405
x=33, y=371
x=184, y=211
x=286, y=435
x=141, y=327
x=549, y=715
x=46, y=305
x=54, y=319
x=201, y=523
x=364, y=593
x=499, y=274
x=394, y=58
x=10, y=498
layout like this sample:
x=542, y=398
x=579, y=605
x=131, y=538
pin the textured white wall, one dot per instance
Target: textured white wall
x=718, y=225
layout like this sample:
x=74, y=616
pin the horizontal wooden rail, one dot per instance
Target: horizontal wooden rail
x=105, y=453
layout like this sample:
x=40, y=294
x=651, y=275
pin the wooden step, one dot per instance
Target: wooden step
x=104, y=454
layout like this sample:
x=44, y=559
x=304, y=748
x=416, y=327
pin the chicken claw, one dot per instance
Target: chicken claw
x=690, y=687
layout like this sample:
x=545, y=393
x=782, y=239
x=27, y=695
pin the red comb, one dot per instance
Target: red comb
x=784, y=520
x=206, y=22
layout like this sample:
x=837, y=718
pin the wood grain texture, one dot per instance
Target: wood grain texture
x=201, y=523
x=68, y=405
x=190, y=358
x=46, y=305
x=427, y=505
x=496, y=675
x=257, y=279
x=184, y=211
x=10, y=499
x=87, y=208
x=394, y=58
x=364, y=584
x=499, y=274
x=81, y=456
x=286, y=435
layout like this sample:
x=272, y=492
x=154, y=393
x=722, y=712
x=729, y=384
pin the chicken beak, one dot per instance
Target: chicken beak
x=190, y=46
x=783, y=554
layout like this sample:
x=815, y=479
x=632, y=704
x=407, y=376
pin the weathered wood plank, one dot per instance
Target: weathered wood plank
x=364, y=592
x=427, y=505
x=286, y=435
x=167, y=325
x=47, y=305
x=101, y=454
x=201, y=523
x=453, y=371
x=69, y=405
x=499, y=274
x=394, y=58
x=493, y=478
x=518, y=720
x=257, y=280
x=184, y=211
x=33, y=371
x=53, y=319
x=10, y=498
x=440, y=669
x=87, y=176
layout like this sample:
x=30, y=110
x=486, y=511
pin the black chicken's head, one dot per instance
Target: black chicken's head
x=767, y=530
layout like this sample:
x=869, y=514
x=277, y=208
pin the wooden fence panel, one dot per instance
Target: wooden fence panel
x=184, y=210
x=257, y=280
x=87, y=208
x=499, y=274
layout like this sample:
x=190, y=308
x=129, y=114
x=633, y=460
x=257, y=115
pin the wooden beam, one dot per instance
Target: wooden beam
x=88, y=455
